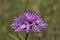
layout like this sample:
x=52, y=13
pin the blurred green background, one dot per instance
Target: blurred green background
x=49, y=10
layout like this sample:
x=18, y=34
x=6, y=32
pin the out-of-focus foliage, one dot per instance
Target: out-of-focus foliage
x=49, y=10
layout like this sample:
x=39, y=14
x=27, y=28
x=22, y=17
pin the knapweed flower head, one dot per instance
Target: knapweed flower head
x=27, y=21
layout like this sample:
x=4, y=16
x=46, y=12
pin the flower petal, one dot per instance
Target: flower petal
x=15, y=25
x=18, y=29
x=35, y=29
x=27, y=28
x=44, y=25
x=23, y=26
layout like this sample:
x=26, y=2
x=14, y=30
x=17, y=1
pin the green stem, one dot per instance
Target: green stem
x=26, y=36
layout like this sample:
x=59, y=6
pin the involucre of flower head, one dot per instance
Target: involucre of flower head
x=28, y=20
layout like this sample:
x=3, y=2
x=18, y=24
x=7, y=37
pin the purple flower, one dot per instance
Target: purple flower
x=28, y=20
